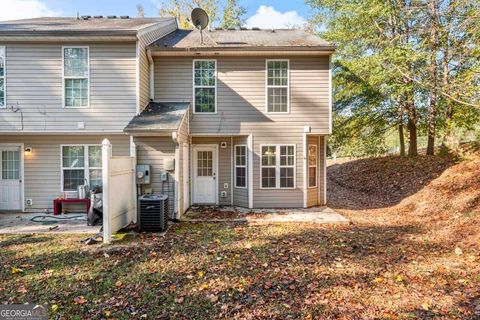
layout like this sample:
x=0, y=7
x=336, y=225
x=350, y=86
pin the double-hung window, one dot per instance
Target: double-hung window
x=81, y=164
x=312, y=165
x=240, y=166
x=204, y=86
x=2, y=77
x=278, y=92
x=76, y=77
x=278, y=166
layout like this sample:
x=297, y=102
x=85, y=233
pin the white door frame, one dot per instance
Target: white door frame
x=193, y=156
x=22, y=170
x=186, y=176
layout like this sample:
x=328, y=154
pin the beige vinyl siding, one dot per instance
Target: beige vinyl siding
x=43, y=167
x=224, y=174
x=144, y=39
x=153, y=151
x=34, y=85
x=240, y=195
x=241, y=95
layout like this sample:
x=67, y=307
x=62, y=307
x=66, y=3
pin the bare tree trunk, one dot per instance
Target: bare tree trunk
x=433, y=77
x=400, y=126
x=411, y=125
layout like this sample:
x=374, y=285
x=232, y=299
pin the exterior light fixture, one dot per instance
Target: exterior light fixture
x=28, y=151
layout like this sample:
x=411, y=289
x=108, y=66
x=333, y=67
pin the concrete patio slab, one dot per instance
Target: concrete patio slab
x=21, y=223
x=323, y=215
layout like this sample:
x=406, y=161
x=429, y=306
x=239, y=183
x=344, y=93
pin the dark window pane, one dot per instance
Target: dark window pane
x=277, y=99
x=204, y=100
x=72, y=179
x=268, y=178
x=312, y=176
x=286, y=178
x=241, y=177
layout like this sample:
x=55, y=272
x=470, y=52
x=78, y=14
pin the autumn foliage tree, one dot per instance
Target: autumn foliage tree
x=406, y=64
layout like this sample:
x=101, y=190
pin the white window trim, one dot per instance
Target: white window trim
x=3, y=50
x=278, y=166
x=240, y=166
x=70, y=77
x=195, y=86
x=86, y=168
x=312, y=166
x=267, y=86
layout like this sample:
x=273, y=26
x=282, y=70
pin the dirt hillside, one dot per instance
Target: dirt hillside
x=439, y=194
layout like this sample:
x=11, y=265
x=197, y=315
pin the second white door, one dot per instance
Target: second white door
x=205, y=174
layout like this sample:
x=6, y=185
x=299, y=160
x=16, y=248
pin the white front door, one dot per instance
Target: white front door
x=205, y=174
x=10, y=178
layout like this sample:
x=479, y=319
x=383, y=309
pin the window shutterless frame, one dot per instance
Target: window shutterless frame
x=267, y=86
x=200, y=86
x=244, y=146
x=75, y=77
x=86, y=167
x=3, y=54
x=278, y=166
x=309, y=165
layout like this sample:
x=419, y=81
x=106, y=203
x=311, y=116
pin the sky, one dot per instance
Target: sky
x=262, y=14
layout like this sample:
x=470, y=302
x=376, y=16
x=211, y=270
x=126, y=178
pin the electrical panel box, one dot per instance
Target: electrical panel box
x=143, y=174
x=169, y=164
x=164, y=176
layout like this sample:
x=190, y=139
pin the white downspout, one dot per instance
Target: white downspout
x=151, y=74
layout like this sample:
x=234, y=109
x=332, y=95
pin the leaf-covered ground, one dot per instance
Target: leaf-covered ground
x=417, y=258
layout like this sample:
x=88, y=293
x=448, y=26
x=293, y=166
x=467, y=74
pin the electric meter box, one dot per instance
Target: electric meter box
x=143, y=174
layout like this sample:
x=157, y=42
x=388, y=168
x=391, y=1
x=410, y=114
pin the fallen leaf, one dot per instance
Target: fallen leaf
x=118, y=284
x=16, y=270
x=458, y=251
x=79, y=300
x=425, y=306
x=22, y=289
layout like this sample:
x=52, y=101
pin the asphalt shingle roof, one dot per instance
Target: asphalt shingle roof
x=278, y=38
x=62, y=24
x=158, y=117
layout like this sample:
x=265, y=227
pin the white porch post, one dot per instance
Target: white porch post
x=133, y=154
x=250, y=171
x=106, y=154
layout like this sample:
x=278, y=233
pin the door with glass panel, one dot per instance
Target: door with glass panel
x=205, y=175
x=10, y=178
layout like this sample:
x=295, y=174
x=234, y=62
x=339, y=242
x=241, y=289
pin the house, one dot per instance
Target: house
x=239, y=118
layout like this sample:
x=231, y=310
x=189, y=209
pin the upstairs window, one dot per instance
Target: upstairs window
x=278, y=166
x=76, y=77
x=2, y=77
x=204, y=86
x=278, y=92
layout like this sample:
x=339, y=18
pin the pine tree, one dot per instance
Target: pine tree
x=232, y=16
